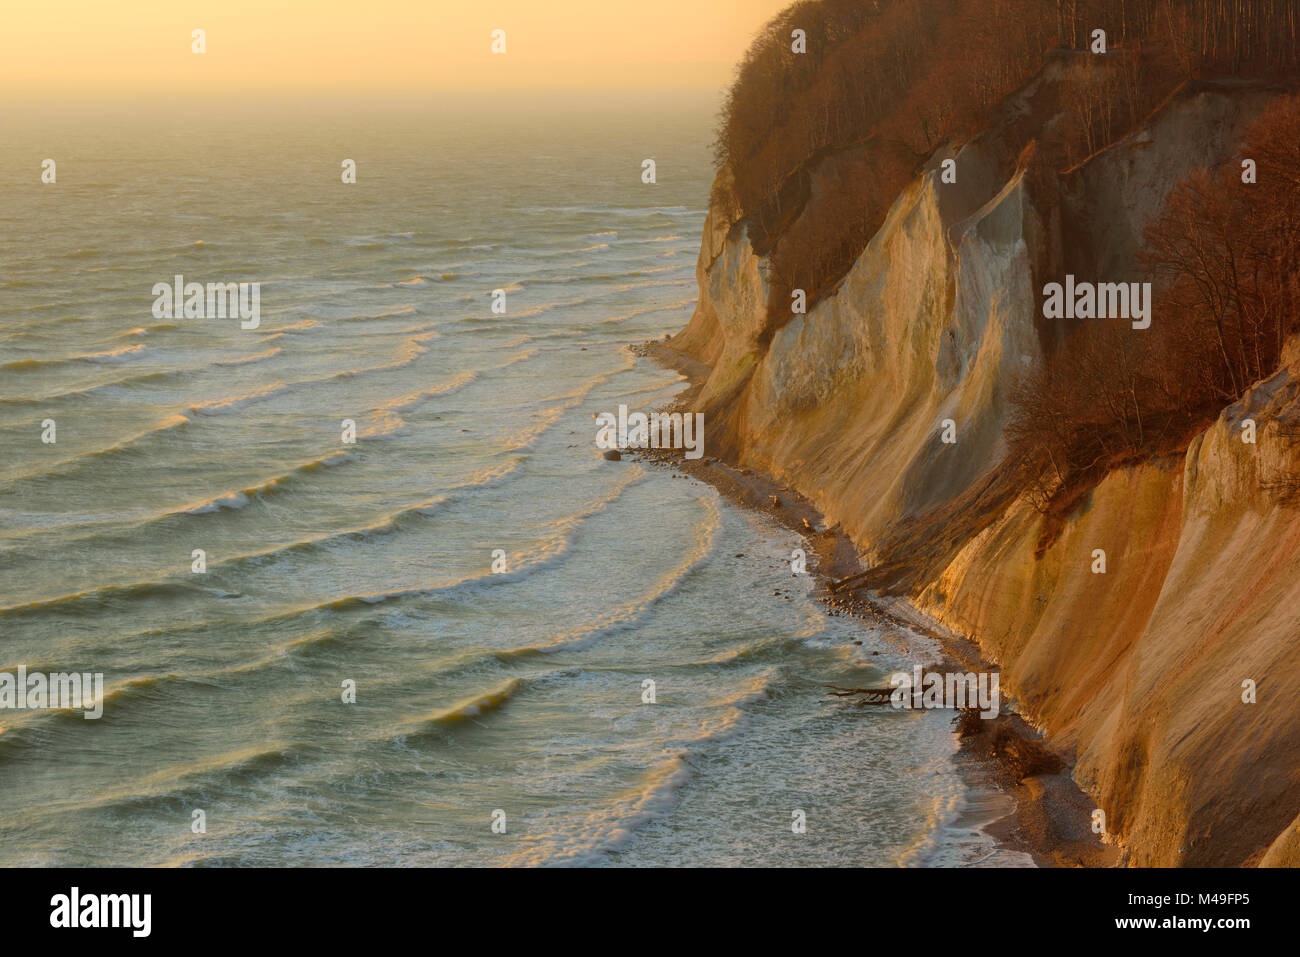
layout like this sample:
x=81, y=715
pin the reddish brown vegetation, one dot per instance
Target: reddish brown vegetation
x=1225, y=254
x=902, y=76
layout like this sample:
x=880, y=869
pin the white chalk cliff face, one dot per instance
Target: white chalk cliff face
x=1136, y=673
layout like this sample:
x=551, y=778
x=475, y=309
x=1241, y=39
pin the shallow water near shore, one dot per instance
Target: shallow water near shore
x=480, y=693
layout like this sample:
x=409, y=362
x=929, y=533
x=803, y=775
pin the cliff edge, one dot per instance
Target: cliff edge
x=1139, y=675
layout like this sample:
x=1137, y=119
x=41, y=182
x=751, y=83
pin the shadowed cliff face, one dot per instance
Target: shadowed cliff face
x=1138, y=671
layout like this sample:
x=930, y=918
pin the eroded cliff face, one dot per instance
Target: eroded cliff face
x=1140, y=670
x=1137, y=672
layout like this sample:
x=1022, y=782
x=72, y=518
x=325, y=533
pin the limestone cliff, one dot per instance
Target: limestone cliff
x=1136, y=673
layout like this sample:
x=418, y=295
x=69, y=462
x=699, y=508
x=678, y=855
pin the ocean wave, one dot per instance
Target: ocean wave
x=543, y=308
x=481, y=704
x=382, y=314
x=387, y=525
x=467, y=709
x=411, y=349
x=390, y=523
x=97, y=599
x=256, y=357
x=198, y=782
x=655, y=388
x=654, y=283
x=576, y=395
x=82, y=459
x=381, y=425
x=543, y=554
x=92, y=389
x=111, y=355
x=242, y=497
x=679, y=304
x=386, y=423
x=407, y=402
x=166, y=425
x=608, y=276
x=296, y=327
x=145, y=330
x=231, y=500
x=233, y=403
x=545, y=419
x=524, y=437
x=625, y=212
x=489, y=477
x=190, y=249
x=523, y=356
x=112, y=693
x=223, y=405
x=609, y=827
x=631, y=613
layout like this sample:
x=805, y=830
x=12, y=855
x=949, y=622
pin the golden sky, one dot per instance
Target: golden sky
x=123, y=47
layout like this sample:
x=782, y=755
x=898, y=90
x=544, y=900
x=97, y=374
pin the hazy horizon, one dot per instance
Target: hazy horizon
x=386, y=47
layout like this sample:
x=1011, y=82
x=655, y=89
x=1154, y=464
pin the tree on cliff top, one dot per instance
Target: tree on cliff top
x=1226, y=253
x=899, y=77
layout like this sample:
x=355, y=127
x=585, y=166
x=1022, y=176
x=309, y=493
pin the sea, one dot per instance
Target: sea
x=361, y=587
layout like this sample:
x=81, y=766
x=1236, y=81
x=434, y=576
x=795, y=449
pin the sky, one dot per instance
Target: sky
x=127, y=48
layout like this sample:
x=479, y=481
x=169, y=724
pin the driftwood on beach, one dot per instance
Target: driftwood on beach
x=870, y=695
x=874, y=577
x=849, y=582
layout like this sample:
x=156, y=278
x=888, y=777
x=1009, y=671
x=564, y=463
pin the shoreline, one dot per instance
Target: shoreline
x=1000, y=757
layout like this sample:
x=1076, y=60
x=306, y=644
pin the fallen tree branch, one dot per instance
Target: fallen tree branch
x=880, y=693
x=842, y=583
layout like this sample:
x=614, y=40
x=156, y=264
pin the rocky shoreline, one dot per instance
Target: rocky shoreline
x=1003, y=754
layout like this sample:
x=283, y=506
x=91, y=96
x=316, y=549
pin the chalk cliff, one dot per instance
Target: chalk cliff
x=1135, y=675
